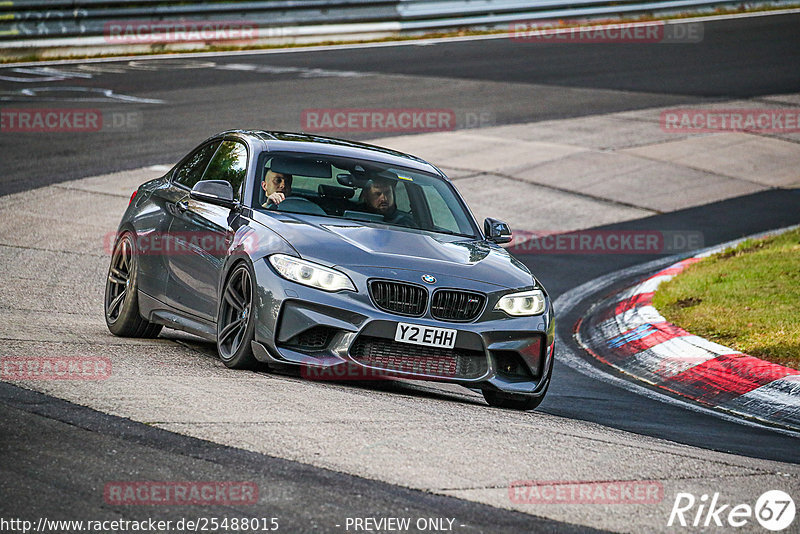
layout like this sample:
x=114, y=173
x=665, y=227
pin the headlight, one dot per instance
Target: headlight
x=526, y=303
x=310, y=274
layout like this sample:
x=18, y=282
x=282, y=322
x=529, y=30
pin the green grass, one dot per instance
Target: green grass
x=746, y=298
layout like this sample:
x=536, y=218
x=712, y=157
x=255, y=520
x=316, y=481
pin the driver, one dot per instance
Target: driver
x=378, y=197
x=277, y=186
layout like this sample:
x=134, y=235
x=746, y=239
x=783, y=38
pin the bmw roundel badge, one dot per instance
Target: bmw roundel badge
x=428, y=279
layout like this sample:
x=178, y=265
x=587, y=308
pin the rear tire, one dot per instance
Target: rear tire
x=121, y=298
x=235, y=320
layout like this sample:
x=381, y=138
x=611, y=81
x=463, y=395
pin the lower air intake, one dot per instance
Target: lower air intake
x=389, y=355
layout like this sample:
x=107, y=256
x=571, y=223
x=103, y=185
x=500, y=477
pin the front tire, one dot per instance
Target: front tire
x=235, y=321
x=121, y=298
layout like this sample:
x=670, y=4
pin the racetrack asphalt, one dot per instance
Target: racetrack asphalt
x=49, y=477
x=573, y=430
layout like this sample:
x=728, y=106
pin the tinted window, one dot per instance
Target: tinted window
x=192, y=169
x=442, y=215
x=401, y=197
x=229, y=164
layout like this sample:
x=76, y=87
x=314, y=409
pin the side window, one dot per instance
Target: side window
x=441, y=214
x=192, y=169
x=229, y=164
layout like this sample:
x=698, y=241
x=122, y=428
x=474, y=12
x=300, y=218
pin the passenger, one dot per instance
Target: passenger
x=277, y=186
x=377, y=196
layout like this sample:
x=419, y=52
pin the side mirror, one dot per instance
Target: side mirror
x=219, y=192
x=496, y=231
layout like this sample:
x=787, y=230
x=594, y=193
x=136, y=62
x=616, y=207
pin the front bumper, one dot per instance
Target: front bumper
x=340, y=336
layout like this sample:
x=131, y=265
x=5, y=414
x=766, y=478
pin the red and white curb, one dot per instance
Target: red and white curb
x=628, y=333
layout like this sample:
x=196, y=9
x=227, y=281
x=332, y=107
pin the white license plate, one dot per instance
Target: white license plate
x=429, y=336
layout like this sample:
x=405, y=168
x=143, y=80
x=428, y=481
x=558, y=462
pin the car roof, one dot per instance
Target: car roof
x=300, y=142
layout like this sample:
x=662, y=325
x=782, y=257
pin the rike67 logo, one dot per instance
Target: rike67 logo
x=774, y=510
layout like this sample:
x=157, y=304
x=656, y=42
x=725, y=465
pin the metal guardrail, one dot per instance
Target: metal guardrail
x=558, y=9
x=41, y=20
x=60, y=18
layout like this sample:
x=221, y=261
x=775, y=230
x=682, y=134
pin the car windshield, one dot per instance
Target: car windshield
x=361, y=190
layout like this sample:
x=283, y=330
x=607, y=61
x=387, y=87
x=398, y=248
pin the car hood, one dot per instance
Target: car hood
x=352, y=244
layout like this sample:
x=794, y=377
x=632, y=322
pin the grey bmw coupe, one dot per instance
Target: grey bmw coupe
x=338, y=258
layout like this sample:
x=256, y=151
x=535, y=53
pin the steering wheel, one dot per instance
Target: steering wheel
x=297, y=205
